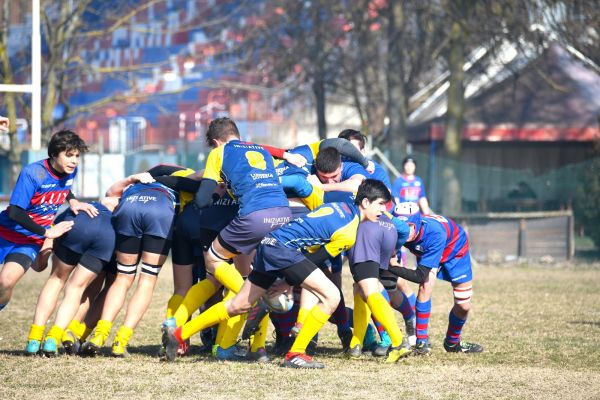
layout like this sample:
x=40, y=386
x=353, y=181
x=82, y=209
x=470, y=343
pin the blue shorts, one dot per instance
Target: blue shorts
x=457, y=270
x=29, y=250
x=244, y=233
x=90, y=237
x=217, y=217
x=272, y=257
x=147, y=212
x=192, y=221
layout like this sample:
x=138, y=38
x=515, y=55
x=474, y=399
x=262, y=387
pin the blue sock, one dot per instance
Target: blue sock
x=455, y=326
x=423, y=312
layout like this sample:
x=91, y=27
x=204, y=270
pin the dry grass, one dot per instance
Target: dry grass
x=540, y=326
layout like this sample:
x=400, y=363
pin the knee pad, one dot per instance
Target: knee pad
x=463, y=295
x=389, y=283
x=151, y=269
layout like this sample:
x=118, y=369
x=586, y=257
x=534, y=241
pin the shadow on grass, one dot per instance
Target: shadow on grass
x=591, y=323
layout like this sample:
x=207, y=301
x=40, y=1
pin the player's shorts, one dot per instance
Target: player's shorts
x=457, y=270
x=244, y=233
x=299, y=211
x=375, y=241
x=147, y=212
x=91, y=241
x=22, y=254
x=274, y=260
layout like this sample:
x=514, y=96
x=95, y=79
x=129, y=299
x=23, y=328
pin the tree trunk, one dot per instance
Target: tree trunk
x=318, y=87
x=396, y=102
x=452, y=203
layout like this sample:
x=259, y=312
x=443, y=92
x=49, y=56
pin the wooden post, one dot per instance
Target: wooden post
x=570, y=237
x=522, y=242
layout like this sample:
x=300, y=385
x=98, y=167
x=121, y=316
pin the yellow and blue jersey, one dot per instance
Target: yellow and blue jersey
x=249, y=173
x=349, y=169
x=331, y=225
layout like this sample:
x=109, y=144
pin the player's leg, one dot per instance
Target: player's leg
x=423, y=311
x=16, y=263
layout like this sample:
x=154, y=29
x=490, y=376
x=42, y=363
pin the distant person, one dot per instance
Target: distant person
x=409, y=187
x=41, y=188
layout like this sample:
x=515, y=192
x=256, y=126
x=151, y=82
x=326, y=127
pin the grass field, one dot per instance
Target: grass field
x=540, y=326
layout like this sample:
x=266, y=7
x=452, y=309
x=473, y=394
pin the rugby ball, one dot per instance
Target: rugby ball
x=280, y=303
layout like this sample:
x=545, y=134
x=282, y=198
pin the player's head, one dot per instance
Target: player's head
x=220, y=131
x=328, y=164
x=64, y=150
x=409, y=165
x=371, y=198
x=411, y=214
x=355, y=137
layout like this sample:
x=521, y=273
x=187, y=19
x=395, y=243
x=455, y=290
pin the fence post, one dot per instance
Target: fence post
x=522, y=242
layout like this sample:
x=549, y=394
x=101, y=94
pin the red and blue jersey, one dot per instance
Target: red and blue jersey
x=408, y=189
x=439, y=241
x=40, y=192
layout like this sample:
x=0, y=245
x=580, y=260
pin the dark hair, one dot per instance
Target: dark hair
x=408, y=159
x=372, y=189
x=353, y=134
x=328, y=160
x=221, y=129
x=65, y=140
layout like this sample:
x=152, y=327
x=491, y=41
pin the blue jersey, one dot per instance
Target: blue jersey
x=331, y=225
x=249, y=173
x=171, y=194
x=40, y=193
x=405, y=189
x=440, y=240
x=308, y=151
x=381, y=175
x=349, y=169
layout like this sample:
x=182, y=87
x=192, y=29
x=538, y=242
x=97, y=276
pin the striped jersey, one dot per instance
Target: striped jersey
x=440, y=240
x=408, y=189
x=40, y=193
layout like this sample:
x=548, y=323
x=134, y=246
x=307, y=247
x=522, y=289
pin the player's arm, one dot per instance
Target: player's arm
x=418, y=275
x=346, y=149
x=424, y=205
x=210, y=178
x=21, y=217
x=295, y=159
x=179, y=183
x=76, y=206
x=349, y=185
x=164, y=169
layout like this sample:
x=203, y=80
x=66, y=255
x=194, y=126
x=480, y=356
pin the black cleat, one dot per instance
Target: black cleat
x=463, y=347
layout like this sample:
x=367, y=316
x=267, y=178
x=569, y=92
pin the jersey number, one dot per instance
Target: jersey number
x=256, y=160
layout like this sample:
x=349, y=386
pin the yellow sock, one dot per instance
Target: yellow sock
x=103, y=329
x=210, y=317
x=77, y=328
x=229, y=276
x=360, y=320
x=56, y=332
x=194, y=298
x=36, y=332
x=315, y=320
x=302, y=315
x=232, y=332
x=86, y=332
x=123, y=335
x=173, y=304
x=223, y=324
x=259, y=339
x=382, y=310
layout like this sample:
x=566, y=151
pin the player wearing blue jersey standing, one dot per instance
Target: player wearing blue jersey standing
x=328, y=230
x=42, y=187
x=442, y=250
x=143, y=221
x=249, y=173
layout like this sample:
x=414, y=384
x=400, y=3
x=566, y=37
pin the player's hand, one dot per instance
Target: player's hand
x=77, y=206
x=370, y=167
x=142, y=177
x=41, y=261
x=4, y=124
x=296, y=159
x=280, y=286
x=221, y=189
x=59, y=229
